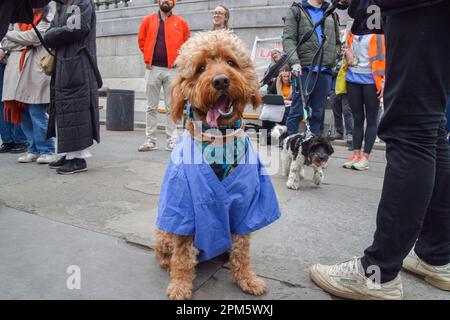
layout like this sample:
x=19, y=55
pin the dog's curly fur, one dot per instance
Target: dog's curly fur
x=296, y=152
x=203, y=57
x=219, y=52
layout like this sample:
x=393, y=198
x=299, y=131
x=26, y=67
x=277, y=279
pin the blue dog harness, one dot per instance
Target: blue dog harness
x=195, y=202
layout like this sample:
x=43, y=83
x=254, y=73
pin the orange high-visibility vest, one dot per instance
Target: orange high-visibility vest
x=377, y=56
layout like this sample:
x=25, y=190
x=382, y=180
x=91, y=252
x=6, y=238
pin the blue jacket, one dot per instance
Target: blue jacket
x=194, y=202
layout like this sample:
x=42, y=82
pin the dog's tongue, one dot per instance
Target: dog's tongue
x=214, y=114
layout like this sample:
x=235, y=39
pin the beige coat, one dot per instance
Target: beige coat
x=32, y=85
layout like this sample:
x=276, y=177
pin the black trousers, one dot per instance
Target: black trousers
x=341, y=109
x=415, y=202
x=365, y=109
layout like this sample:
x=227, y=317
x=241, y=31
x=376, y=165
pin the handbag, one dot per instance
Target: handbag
x=341, y=83
x=48, y=64
x=273, y=108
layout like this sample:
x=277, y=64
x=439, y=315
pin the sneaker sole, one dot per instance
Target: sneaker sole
x=148, y=150
x=435, y=283
x=46, y=162
x=73, y=172
x=360, y=169
x=341, y=294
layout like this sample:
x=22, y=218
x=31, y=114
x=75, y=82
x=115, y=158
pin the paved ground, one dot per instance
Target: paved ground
x=103, y=222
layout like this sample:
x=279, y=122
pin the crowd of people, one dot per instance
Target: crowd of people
x=38, y=107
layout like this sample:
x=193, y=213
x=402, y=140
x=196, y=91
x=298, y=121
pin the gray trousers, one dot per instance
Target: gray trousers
x=341, y=108
x=156, y=78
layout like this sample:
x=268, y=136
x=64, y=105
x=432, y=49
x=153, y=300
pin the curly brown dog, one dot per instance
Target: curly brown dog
x=217, y=78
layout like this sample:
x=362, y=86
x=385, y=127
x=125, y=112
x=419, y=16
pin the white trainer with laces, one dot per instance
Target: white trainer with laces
x=170, y=145
x=347, y=280
x=46, y=159
x=438, y=276
x=28, y=158
x=148, y=146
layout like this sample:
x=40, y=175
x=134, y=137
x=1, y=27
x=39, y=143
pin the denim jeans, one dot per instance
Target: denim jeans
x=9, y=133
x=317, y=101
x=34, y=124
x=414, y=210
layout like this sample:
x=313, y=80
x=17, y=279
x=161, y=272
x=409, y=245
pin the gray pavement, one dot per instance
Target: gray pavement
x=103, y=221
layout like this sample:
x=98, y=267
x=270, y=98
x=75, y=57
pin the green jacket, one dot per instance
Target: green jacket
x=294, y=31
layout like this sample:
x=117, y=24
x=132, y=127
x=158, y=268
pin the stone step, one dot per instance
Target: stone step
x=143, y=7
x=244, y=18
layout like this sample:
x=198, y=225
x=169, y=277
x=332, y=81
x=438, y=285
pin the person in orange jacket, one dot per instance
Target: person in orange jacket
x=160, y=37
x=366, y=58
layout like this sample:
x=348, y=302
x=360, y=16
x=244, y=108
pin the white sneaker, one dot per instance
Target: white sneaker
x=347, y=280
x=28, y=158
x=436, y=276
x=148, y=146
x=46, y=159
x=170, y=145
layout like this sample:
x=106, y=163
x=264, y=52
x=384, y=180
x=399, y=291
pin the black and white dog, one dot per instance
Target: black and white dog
x=298, y=151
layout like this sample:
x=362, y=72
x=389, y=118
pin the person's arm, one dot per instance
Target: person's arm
x=290, y=37
x=28, y=38
x=142, y=34
x=9, y=45
x=186, y=31
x=395, y=4
x=58, y=36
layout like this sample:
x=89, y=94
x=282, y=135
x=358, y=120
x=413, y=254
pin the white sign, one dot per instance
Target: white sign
x=261, y=53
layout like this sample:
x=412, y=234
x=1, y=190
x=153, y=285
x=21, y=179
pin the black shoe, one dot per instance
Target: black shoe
x=72, y=166
x=336, y=136
x=57, y=164
x=19, y=148
x=7, y=147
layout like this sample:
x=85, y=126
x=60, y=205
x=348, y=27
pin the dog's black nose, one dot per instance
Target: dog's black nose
x=221, y=82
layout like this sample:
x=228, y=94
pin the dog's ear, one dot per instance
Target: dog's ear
x=256, y=100
x=177, y=102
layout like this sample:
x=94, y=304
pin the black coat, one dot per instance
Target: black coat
x=12, y=11
x=74, y=88
x=358, y=11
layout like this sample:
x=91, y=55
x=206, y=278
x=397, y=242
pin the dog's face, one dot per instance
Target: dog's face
x=317, y=151
x=217, y=76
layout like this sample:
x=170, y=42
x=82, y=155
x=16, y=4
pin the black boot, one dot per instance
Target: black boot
x=72, y=166
x=58, y=164
x=19, y=148
x=7, y=147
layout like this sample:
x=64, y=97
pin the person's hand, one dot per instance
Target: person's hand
x=380, y=94
x=297, y=69
x=349, y=57
x=2, y=55
x=149, y=66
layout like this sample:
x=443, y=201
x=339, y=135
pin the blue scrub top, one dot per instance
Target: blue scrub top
x=194, y=202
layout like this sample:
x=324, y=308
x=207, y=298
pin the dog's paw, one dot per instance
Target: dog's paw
x=178, y=290
x=253, y=285
x=293, y=185
x=318, y=178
